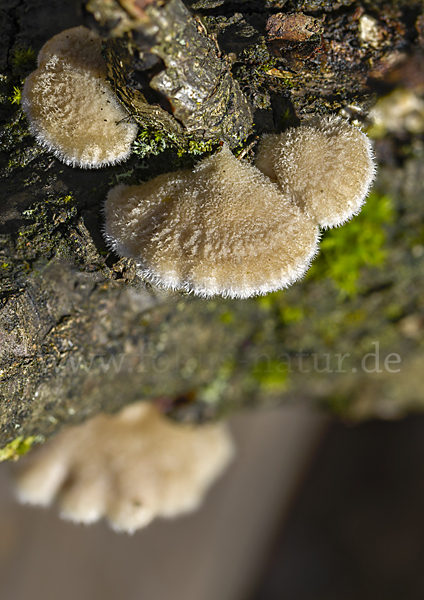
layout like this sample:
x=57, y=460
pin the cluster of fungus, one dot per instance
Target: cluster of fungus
x=236, y=230
x=223, y=228
x=128, y=468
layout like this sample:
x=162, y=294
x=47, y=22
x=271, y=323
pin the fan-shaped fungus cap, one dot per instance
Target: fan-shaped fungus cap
x=326, y=165
x=129, y=468
x=71, y=108
x=222, y=228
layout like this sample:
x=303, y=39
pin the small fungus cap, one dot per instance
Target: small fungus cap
x=222, y=228
x=129, y=468
x=325, y=164
x=70, y=106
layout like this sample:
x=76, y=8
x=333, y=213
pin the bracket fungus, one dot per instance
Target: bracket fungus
x=130, y=468
x=71, y=108
x=325, y=165
x=223, y=228
x=232, y=229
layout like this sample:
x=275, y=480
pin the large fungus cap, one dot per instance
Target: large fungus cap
x=222, y=228
x=130, y=468
x=71, y=108
x=325, y=164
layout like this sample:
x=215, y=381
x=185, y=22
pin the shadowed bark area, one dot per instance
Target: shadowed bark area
x=80, y=332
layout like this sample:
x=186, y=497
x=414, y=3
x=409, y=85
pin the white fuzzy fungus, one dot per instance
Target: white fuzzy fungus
x=71, y=108
x=326, y=165
x=223, y=228
x=129, y=468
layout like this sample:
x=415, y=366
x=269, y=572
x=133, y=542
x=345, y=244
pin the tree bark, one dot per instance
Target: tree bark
x=81, y=333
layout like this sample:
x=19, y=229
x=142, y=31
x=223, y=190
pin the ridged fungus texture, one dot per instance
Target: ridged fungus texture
x=325, y=165
x=70, y=106
x=221, y=229
x=129, y=468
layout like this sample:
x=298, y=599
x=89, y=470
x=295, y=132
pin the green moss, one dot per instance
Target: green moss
x=255, y=54
x=42, y=234
x=284, y=312
x=286, y=118
x=227, y=318
x=267, y=302
x=196, y=147
x=292, y=314
x=19, y=447
x=337, y=324
x=23, y=57
x=271, y=375
x=394, y=311
x=346, y=250
x=152, y=143
x=68, y=199
x=266, y=66
x=16, y=96
x=13, y=132
x=20, y=158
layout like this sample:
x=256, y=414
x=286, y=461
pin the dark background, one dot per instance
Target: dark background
x=356, y=530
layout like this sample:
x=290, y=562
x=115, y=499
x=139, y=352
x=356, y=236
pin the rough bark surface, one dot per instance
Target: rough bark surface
x=81, y=333
x=170, y=60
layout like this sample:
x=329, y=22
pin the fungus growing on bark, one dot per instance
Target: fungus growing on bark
x=326, y=166
x=71, y=108
x=130, y=468
x=223, y=228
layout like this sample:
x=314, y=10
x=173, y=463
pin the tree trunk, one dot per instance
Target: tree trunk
x=80, y=332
